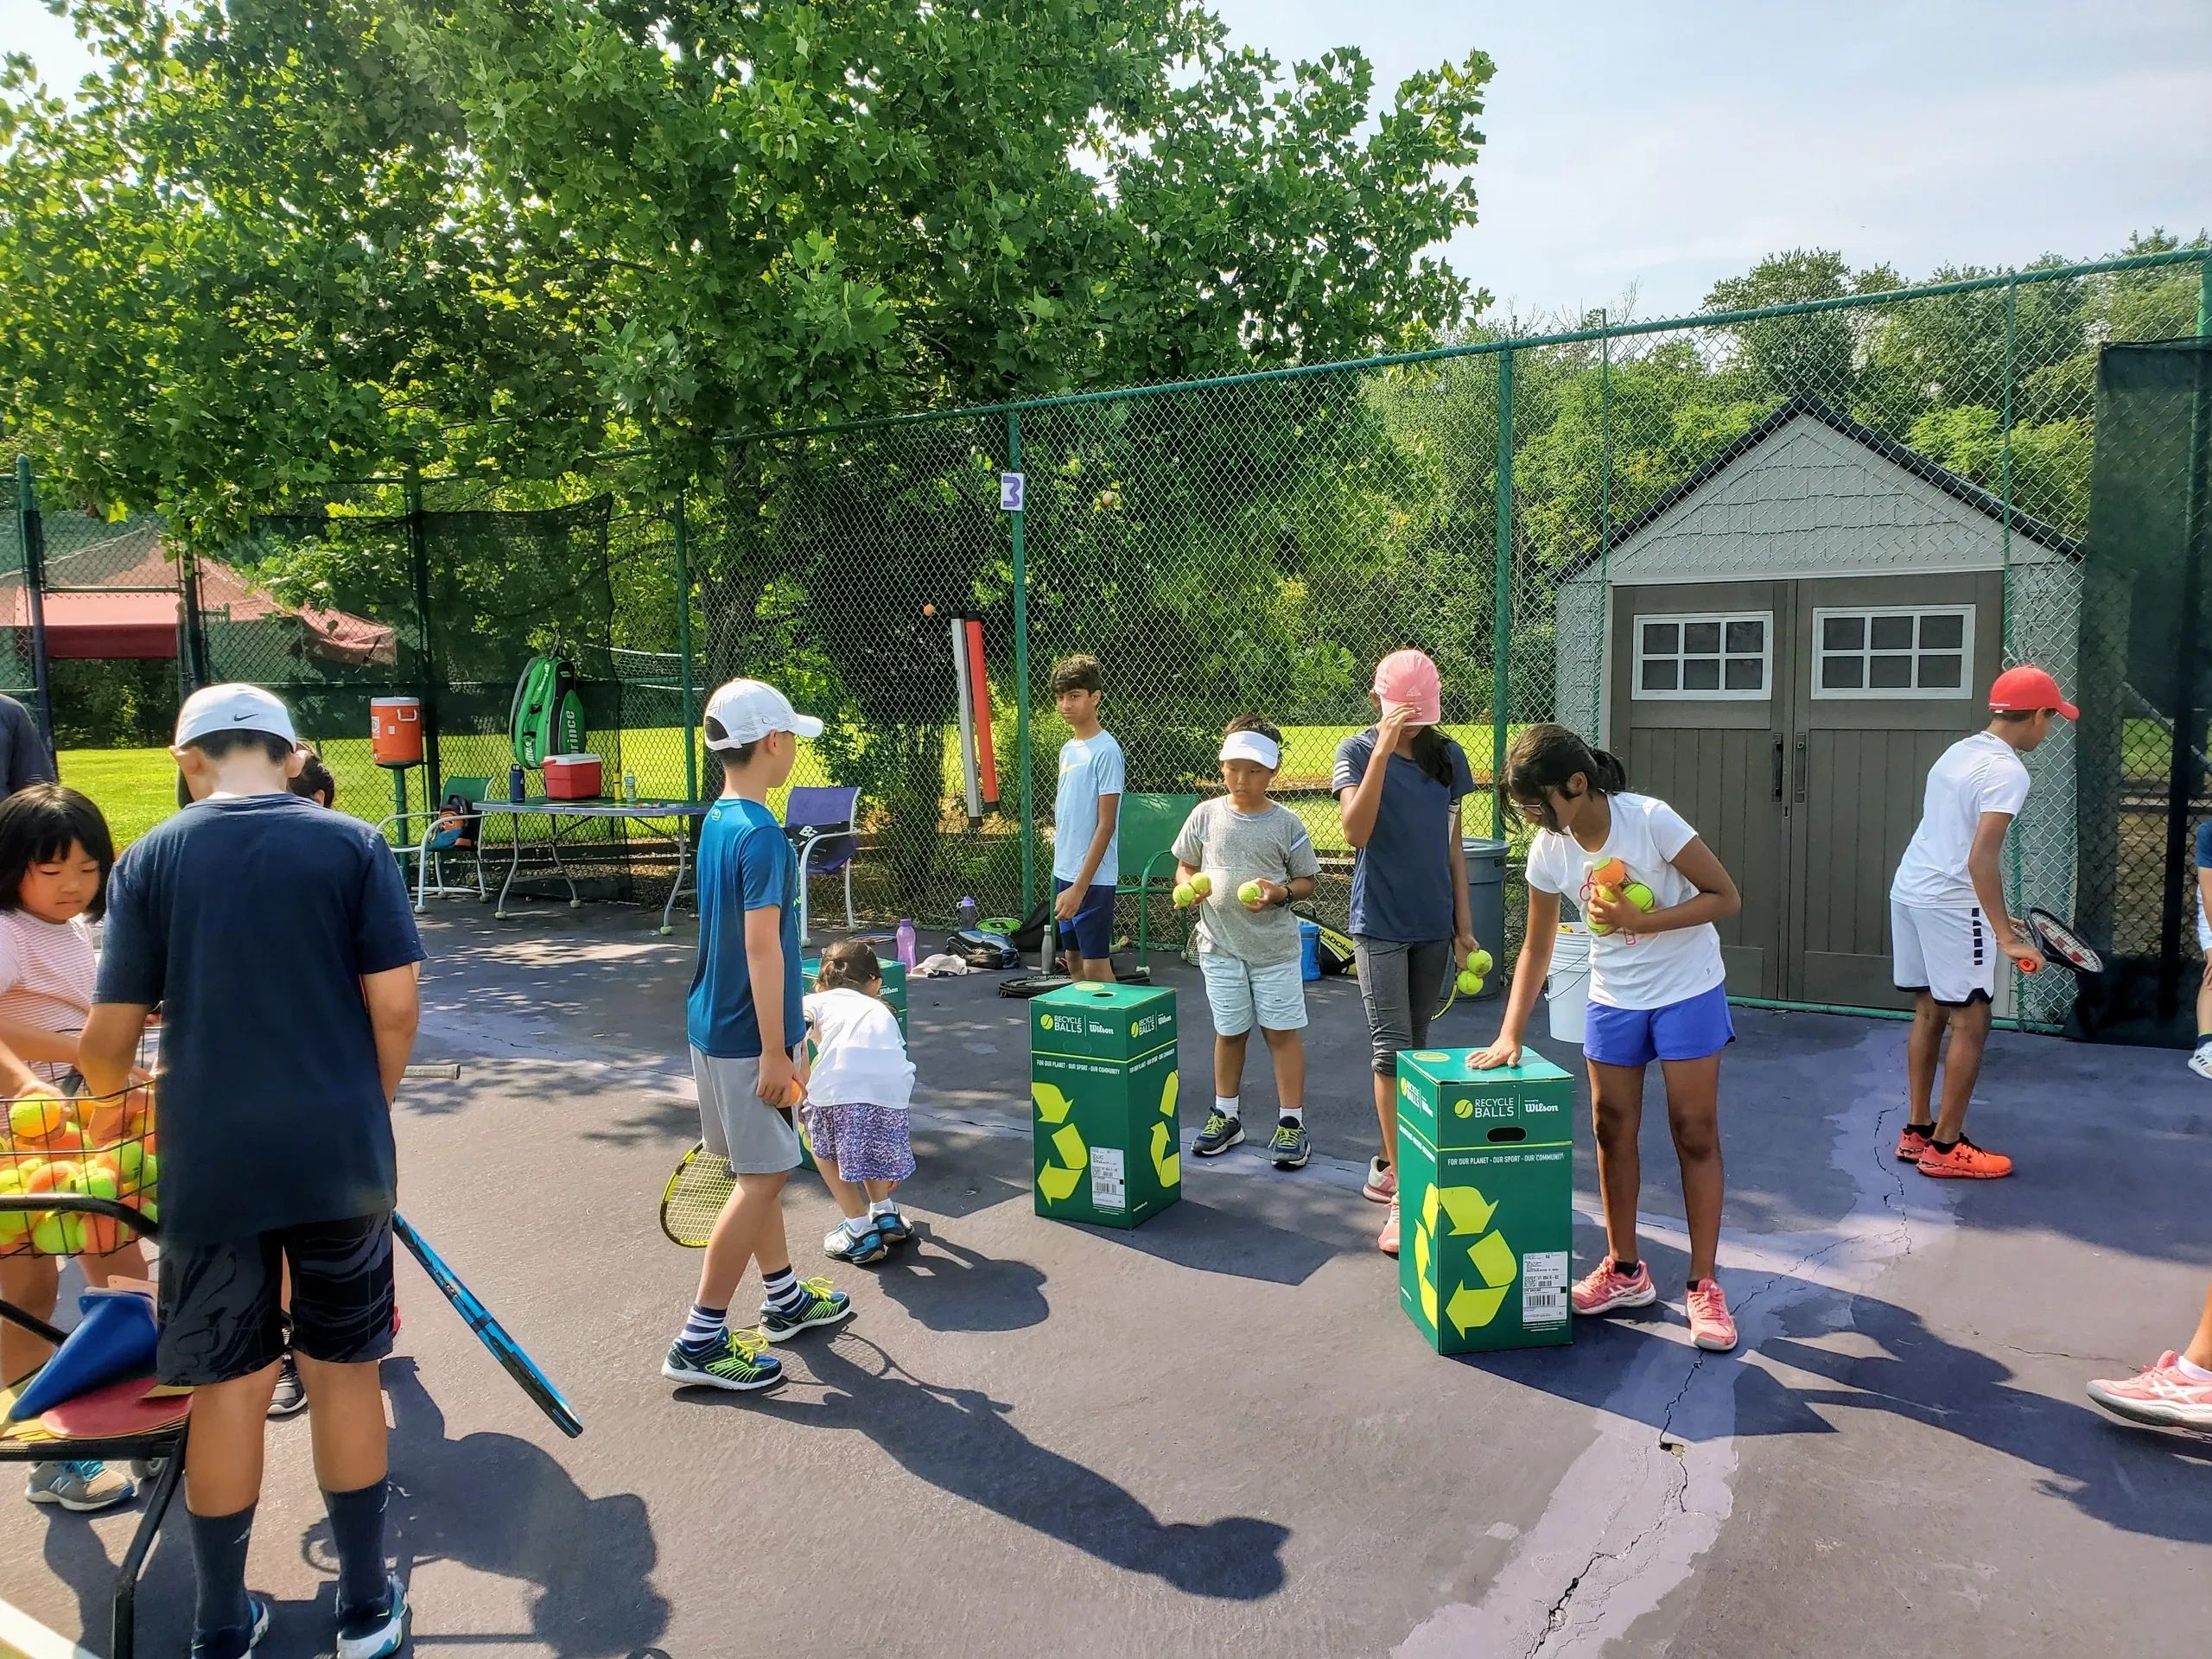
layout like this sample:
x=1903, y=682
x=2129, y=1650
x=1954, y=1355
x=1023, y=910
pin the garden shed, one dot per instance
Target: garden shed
x=1782, y=644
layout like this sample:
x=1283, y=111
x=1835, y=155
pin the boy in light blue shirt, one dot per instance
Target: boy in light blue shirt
x=1086, y=843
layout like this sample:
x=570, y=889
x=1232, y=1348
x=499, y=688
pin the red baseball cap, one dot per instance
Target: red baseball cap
x=2024, y=689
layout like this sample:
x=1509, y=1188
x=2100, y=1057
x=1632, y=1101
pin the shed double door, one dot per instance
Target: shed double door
x=1793, y=724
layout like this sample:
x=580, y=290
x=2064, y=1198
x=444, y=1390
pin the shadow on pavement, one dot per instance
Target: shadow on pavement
x=960, y=1441
x=949, y=1286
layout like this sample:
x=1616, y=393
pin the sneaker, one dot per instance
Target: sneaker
x=741, y=1364
x=1711, y=1327
x=2162, y=1396
x=377, y=1631
x=823, y=1305
x=1387, y=1240
x=1911, y=1143
x=895, y=1226
x=840, y=1244
x=259, y=1610
x=1602, y=1290
x=1964, y=1162
x=1221, y=1133
x=2200, y=1062
x=1290, y=1146
x=83, y=1488
x=291, y=1396
x=1382, y=1183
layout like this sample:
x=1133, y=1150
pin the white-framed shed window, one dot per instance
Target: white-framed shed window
x=1918, y=651
x=1705, y=656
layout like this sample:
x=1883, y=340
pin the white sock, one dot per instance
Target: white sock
x=882, y=1207
x=1225, y=1104
x=2194, y=1373
x=1294, y=1114
x=856, y=1225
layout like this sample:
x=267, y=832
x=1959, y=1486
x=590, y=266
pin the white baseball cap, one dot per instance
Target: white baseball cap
x=747, y=710
x=233, y=709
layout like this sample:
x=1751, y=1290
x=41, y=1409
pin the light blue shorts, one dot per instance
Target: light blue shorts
x=1688, y=1029
x=1239, y=993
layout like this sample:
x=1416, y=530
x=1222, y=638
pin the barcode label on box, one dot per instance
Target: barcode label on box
x=1110, y=1186
x=1544, y=1287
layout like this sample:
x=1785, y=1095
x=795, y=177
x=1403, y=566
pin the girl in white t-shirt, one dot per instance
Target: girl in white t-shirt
x=860, y=1088
x=56, y=854
x=1651, y=891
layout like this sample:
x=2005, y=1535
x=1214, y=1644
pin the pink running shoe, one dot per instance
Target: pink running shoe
x=2163, y=1396
x=1710, y=1327
x=1382, y=1184
x=1387, y=1240
x=1601, y=1290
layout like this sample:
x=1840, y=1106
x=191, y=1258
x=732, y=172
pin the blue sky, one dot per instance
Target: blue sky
x=1635, y=145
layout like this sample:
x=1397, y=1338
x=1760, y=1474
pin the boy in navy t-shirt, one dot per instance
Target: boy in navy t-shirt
x=747, y=1026
x=287, y=1027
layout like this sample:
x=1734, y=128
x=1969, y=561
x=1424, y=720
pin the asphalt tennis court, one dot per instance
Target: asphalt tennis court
x=1216, y=1434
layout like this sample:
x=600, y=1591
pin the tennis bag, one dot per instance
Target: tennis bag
x=548, y=716
x=1333, y=951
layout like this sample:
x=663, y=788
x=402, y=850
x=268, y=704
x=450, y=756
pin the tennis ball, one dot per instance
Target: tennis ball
x=1250, y=894
x=35, y=1116
x=1185, y=895
x=1610, y=874
x=1202, y=884
x=1470, y=983
x=54, y=1234
x=1605, y=895
x=1639, y=895
x=58, y=1175
x=1481, y=963
x=14, y=1228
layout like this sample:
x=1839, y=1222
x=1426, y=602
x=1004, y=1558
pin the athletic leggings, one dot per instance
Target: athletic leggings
x=1399, y=983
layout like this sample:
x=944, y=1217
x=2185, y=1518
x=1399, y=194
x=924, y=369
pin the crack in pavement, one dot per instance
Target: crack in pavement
x=1573, y=1582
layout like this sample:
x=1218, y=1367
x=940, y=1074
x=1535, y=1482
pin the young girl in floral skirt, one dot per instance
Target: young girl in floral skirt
x=860, y=1087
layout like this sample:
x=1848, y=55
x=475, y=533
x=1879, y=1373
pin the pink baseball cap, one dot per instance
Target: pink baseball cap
x=1408, y=679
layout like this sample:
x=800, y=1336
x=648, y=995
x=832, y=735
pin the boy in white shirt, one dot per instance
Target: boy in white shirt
x=1947, y=920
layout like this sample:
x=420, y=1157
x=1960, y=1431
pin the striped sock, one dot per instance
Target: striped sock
x=783, y=1294
x=705, y=1330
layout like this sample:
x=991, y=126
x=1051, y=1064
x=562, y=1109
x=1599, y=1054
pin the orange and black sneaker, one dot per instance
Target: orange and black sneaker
x=1963, y=1162
x=1913, y=1142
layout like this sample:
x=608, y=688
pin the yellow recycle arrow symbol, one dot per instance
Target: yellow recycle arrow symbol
x=1167, y=1161
x=1057, y=1181
x=1495, y=1265
x=1469, y=1209
x=1425, y=1255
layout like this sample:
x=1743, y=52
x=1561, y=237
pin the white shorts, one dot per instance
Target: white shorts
x=1950, y=954
x=1237, y=993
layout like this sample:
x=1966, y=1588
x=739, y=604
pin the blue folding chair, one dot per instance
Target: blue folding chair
x=820, y=819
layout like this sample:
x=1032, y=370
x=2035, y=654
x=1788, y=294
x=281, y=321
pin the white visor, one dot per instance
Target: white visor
x=1250, y=745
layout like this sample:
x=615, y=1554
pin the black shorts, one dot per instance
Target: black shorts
x=222, y=1314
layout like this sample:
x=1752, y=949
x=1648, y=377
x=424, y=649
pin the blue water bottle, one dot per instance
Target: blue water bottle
x=514, y=783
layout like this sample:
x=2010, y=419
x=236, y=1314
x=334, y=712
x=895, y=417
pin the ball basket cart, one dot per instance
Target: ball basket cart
x=78, y=1177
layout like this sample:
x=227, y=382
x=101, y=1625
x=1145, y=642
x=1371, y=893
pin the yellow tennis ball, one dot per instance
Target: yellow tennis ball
x=14, y=1227
x=1469, y=982
x=1202, y=884
x=1641, y=896
x=1251, y=893
x=1481, y=963
x=35, y=1116
x=1185, y=895
x=58, y=1235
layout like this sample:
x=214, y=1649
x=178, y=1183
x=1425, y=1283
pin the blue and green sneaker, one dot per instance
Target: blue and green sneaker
x=1290, y=1146
x=742, y=1363
x=822, y=1305
x=1221, y=1133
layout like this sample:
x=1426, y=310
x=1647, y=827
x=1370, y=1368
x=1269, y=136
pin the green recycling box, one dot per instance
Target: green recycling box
x=1487, y=1196
x=1103, y=1080
x=894, y=993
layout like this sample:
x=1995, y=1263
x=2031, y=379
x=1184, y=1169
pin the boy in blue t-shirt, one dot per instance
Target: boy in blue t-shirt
x=747, y=1029
x=1086, y=819
x=286, y=1029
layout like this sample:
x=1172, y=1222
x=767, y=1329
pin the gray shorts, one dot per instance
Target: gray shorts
x=1401, y=985
x=735, y=1124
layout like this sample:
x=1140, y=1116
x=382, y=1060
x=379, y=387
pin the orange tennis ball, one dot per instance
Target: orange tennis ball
x=2030, y=966
x=36, y=1116
x=797, y=1095
x=57, y=1175
x=1610, y=874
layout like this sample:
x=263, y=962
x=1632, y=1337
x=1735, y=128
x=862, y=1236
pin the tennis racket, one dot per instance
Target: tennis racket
x=2062, y=945
x=695, y=1196
x=489, y=1331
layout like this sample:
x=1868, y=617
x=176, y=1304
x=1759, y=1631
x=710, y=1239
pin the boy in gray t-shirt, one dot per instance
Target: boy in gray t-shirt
x=1242, y=859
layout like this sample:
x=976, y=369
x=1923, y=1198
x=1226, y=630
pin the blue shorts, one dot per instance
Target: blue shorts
x=1688, y=1029
x=1091, y=934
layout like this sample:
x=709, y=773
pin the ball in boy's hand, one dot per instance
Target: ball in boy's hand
x=1202, y=884
x=1469, y=982
x=796, y=1094
x=1251, y=893
x=1185, y=895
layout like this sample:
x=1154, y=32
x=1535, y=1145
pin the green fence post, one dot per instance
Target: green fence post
x=2188, y=718
x=1501, y=689
x=31, y=524
x=683, y=652
x=1021, y=675
x=1604, y=525
x=419, y=559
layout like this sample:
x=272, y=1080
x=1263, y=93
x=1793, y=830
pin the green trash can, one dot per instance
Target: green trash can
x=894, y=993
x=1103, y=1082
x=1487, y=1196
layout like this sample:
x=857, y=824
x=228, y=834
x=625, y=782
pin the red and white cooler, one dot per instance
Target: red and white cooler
x=573, y=778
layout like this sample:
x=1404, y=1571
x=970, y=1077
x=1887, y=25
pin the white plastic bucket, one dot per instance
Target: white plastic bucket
x=1566, y=990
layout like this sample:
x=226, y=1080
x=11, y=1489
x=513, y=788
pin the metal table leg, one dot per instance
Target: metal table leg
x=683, y=866
x=553, y=843
x=514, y=858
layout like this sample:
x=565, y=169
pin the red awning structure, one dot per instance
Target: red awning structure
x=134, y=613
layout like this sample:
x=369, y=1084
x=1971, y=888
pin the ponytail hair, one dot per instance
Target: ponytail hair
x=1547, y=757
x=848, y=965
x=1431, y=753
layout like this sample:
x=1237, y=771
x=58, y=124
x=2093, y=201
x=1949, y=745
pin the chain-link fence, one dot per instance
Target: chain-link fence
x=1770, y=557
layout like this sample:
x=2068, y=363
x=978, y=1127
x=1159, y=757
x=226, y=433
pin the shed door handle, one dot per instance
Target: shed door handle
x=1777, y=765
x=1798, y=791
